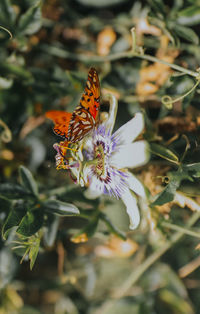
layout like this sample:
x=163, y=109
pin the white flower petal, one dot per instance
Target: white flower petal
x=92, y=194
x=131, y=155
x=136, y=186
x=109, y=124
x=130, y=201
x=95, y=188
x=130, y=130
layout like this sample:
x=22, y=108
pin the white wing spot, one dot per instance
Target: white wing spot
x=75, y=130
x=75, y=125
x=80, y=132
x=88, y=84
x=85, y=122
x=88, y=127
x=72, y=138
x=83, y=115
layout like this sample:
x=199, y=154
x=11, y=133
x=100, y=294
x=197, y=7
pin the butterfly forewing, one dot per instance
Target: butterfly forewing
x=91, y=97
x=75, y=126
x=84, y=117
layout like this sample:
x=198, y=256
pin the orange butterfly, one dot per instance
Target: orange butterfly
x=76, y=125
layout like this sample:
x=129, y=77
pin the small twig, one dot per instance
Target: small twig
x=181, y=229
x=91, y=59
x=6, y=30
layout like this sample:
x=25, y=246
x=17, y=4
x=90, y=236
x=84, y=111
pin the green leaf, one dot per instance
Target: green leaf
x=7, y=13
x=61, y=208
x=13, y=191
x=16, y=214
x=158, y=6
x=51, y=229
x=31, y=223
x=34, y=249
x=167, y=194
x=189, y=16
x=102, y=3
x=28, y=181
x=163, y=152
x=31, y=21
x=192, y=167
x=186, y=33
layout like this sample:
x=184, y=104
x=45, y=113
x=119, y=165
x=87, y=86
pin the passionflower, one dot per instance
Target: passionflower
x=102, y=161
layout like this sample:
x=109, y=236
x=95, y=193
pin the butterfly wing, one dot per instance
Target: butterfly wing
x=82, y=122
x=61, y=120
x=75, y=126
x=90, y=99
x=85, y=115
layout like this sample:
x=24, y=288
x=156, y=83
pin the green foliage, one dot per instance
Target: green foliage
x=46, y=49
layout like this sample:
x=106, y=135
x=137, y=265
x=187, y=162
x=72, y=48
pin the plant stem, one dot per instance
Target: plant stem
x=90, y=59
x=138, y=272
x=181, y=229
x=171, y=65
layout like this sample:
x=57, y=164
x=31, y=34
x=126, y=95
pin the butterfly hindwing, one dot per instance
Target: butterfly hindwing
x=82, y=122
x=61, y=120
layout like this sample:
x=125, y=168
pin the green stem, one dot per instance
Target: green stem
x=139, y=271
x=168, y=101
x=171, y=65
x=181, y=229
x=93, y=162
x=6, y=30
x=133, y=35
x=90, y=59
x=111, y=227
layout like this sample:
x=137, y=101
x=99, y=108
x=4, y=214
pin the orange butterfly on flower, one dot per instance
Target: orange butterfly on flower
x=76, y=125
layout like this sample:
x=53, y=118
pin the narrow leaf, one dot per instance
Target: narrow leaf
x=30, y=21
x=102, y=3
x=189, y=16
x=34, y=249
x=28, y=181
x=51, y=230
x=187, y=33
x=163, y=152
x=192, y=167
x=13, y=191
x=7, y=13
x=167, y=195
x=61, y=208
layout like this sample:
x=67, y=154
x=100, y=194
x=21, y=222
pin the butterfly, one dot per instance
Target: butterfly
x=76, y=125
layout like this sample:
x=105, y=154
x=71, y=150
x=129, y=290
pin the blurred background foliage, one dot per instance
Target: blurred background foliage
x=82, y=256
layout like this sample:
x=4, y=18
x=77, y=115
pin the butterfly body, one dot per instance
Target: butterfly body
x=76, y=125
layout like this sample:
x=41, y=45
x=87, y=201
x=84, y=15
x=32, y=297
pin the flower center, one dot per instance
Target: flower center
x=100, y=158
